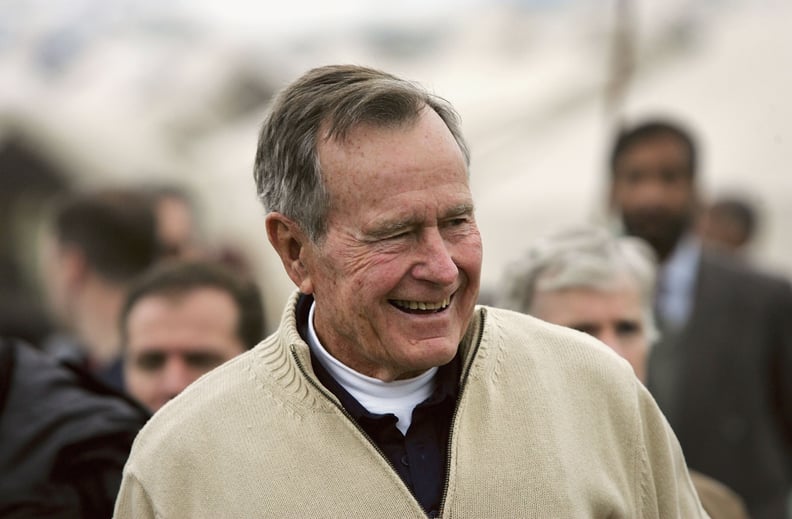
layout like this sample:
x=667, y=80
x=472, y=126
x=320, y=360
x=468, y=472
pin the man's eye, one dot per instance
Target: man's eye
x=203, y=360
x=456, y=222
x=633, y=176
x=627, y=328
x=398, y=235
x=672, y=176
x=585, y=328
x=150, y=361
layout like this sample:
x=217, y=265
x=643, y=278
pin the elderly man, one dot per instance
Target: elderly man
x=385, y=391
x=585, y=278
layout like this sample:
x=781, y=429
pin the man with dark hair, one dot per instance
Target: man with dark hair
x=95, y=244
x=182, y=319
x=64, y=438
x=664, y=204
x=722, y=370
x=385, y=391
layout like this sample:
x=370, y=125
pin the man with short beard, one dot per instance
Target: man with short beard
x=722, y=371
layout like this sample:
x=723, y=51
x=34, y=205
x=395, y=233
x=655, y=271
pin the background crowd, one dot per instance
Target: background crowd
x=131, y=260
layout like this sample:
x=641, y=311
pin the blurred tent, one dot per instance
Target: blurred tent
x=138, y=91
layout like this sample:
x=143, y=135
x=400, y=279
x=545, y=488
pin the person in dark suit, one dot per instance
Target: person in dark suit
x=722, y=371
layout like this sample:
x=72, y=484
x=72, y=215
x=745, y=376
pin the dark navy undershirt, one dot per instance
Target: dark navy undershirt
x=419, y=457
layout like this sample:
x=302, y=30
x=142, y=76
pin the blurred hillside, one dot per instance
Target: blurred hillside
x=113, y=93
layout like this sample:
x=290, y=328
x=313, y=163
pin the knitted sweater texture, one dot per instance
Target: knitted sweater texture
x=549, y=423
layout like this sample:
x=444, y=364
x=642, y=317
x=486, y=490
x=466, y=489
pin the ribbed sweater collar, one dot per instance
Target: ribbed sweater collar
x=289, y=356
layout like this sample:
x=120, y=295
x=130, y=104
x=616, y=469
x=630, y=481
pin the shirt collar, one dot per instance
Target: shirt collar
x=676, y=283
x=679, y=270
x=447, y=376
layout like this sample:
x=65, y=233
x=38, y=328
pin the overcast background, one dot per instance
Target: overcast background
x=128, y=91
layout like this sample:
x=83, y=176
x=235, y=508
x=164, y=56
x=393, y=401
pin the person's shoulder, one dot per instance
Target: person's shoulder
x=204, y=405
x=539, y=334
x=554, y=348
x=739, y=271
x=739, y=283
x=216, y=401
x=83, y=430
x=571, y=373
x=56, y=392
x=716, y=498
x=245, y=401
x=221, y=384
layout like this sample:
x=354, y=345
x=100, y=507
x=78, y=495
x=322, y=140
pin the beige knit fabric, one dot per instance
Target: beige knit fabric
x=550, y=424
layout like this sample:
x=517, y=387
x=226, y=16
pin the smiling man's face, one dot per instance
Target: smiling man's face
x=396, y=277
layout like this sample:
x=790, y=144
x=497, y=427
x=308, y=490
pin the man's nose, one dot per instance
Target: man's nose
x=435, y=262
x=609, y=336
x=176, y=376
x=651, y=190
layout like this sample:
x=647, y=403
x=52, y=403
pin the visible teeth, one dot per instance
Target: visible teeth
x=422, y=305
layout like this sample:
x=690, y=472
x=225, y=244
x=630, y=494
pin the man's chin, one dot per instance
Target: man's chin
x=434, y=353
x=661, y=236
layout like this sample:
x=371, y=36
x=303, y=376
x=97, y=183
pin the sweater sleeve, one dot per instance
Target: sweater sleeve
x=133, y=501
x=665, y=488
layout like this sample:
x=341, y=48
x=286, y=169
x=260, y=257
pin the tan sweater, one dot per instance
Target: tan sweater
x=550, y=424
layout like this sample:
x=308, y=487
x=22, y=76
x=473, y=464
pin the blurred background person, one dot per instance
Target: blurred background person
x=177, y=221
x=28, y=181
x=729, y=223
x=182, y=319
x=64, y=438
x=180, y=233
x=585, y=278
x=96, y=243
x=722, y=369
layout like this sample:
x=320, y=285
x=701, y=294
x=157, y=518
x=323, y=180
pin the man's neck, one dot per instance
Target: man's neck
x=398, y=397
x=96, y=321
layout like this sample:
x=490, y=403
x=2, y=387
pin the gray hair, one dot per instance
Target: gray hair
x=581, y=257
x=332, y=99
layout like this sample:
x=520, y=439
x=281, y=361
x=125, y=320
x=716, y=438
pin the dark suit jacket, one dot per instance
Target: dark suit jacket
x=725, y=382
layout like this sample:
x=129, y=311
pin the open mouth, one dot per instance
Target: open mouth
x=421, y=307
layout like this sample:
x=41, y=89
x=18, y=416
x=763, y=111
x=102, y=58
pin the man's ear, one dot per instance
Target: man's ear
x=292, y=246
x=73, y=267
x=611, y=193
x=698, y=202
